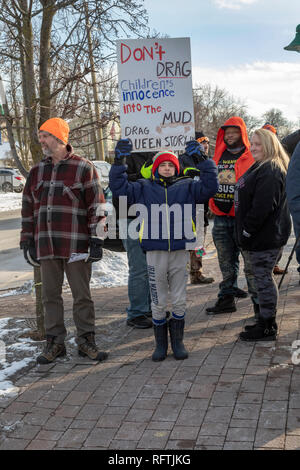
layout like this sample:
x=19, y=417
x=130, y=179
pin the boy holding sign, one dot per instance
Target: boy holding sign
x=167, y=207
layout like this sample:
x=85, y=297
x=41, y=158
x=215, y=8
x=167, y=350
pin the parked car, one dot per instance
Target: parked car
x=11, y=180
x=103, y=169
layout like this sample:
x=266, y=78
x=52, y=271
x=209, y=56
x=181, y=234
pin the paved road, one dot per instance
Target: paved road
x=14, y=270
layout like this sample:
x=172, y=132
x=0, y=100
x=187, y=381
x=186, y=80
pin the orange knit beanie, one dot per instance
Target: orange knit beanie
x=57, y=127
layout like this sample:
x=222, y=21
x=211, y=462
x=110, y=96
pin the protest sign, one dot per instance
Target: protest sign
x=155, y=90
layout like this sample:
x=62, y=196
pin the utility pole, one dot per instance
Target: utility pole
x=100, y=147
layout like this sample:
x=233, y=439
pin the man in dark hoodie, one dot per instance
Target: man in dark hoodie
x=233, y=158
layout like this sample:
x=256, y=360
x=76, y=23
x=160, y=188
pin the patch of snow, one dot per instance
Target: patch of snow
x=111, y=271
x=10, y=201
x=12, y=349
x=26, y=288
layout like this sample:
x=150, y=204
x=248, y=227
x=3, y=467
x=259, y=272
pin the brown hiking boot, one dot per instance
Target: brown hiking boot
x=51, y=351
x=277, y=270
x=197, y=278
x=89, y=348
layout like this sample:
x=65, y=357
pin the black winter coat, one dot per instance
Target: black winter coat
x=187, y=161
x=261, y=208
x=134, y=163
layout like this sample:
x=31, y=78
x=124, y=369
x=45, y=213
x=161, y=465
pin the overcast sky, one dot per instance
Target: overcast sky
x=238, y=45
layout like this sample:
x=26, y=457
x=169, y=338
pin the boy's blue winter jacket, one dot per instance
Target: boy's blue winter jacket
x=166, y=209
x=293, y=188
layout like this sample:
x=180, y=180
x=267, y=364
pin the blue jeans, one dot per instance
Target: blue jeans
x=228, y=257
x=138, y=282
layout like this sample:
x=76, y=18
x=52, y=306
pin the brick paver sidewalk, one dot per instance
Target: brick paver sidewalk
x=226, y=395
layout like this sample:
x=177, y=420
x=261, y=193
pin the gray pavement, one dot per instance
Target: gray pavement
x=226, y=395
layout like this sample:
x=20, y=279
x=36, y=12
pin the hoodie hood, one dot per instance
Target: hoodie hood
x=234, y=121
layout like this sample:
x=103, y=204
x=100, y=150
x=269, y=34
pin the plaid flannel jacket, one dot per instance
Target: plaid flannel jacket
x=62, y=205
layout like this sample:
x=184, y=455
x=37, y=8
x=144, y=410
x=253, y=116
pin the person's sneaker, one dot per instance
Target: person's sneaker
x=89, y=349
x=141, y=322
x=224, y=304
x=51, y=351
x=240, y=293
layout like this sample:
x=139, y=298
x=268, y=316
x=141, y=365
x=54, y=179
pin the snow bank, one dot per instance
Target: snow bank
x=15, y=353
x=111, y=271
x=10, y=201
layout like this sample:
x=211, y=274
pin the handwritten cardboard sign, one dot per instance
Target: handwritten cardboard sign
x=155, y=89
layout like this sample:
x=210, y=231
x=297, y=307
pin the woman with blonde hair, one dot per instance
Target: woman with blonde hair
x=263, y=225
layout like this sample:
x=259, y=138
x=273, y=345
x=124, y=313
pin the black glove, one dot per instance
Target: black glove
x=96, y=251
x=29, y=252
x=123, y=149
x=195, y=150
x=191, y=172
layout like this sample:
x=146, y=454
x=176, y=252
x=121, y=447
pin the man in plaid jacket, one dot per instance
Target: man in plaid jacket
x=62, y=205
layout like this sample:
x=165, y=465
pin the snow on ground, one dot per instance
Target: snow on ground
x=10, y=201
x=15, y=353
x=111, y=271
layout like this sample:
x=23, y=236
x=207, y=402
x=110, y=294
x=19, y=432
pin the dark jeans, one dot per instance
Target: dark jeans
x=228, y=257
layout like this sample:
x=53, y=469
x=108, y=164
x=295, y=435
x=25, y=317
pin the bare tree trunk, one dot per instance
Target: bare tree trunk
x=11, y=140
x=100, y=146
x=45, y=60
x=28, y=80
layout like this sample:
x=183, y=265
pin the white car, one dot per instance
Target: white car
x=103, y=169
x=11, y=180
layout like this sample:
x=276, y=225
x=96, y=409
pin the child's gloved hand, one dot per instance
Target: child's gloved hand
x=191, y=172
x=123, y=149
x=196, y=150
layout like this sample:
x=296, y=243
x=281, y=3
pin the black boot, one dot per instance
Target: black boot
x=264, y=330
x=256, y=318
x=176, y=328
x=224, y=304
x=161, y=339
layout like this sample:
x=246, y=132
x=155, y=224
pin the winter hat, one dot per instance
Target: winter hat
x=269, y=127
x=165, y=156
x=200, y=137
x=57, y=127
